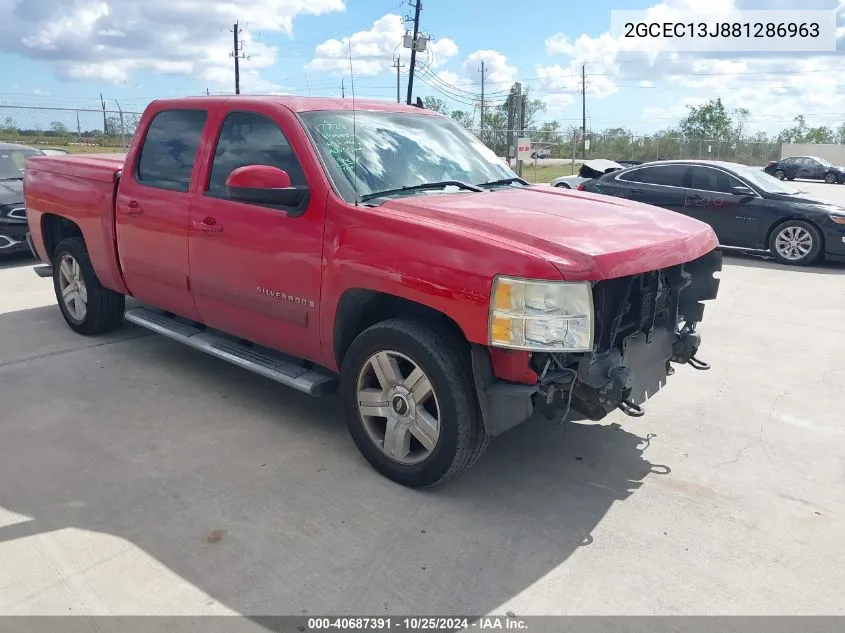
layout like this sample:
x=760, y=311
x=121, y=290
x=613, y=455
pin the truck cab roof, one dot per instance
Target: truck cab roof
x=295, y=103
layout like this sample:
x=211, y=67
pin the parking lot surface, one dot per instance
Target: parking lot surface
x=140, y=477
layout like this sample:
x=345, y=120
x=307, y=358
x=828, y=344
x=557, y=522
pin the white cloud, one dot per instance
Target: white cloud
x=106, y=41
x=442, y=51
x=499, y=74
x=372, y=50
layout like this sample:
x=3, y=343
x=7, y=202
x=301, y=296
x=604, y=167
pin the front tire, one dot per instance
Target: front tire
x=796, y=243
x=830, y=178
x=410, y=402
x=87, y=307
x=563, y=185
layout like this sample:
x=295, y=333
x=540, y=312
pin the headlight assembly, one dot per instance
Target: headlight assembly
x=547, y=316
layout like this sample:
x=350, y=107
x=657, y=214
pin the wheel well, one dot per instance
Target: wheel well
x=775, y=226
x=55, y=228
x=359, y=309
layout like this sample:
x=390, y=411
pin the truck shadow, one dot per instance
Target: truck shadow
x=255, y=494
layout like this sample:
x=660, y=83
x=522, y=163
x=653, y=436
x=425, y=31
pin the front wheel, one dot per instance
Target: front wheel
x=410, y=402
x=796, y=243
x=830, y=178
x=87, y=307
x=563, y=185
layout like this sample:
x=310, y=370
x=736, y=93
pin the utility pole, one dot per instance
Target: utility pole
x=238, y=54
x=343, y=88
x=482, y=95
x=105, y=124
x=583, y=112
x=398, y=67
x=417, y=7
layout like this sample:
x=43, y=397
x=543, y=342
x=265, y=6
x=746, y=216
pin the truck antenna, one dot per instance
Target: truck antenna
x=354, y=131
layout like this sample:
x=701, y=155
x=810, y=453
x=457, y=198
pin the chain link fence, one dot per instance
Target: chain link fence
x=566, y=153
x=72, y=129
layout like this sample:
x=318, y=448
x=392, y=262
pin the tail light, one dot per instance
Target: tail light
x=581, y=186
x=770, y=163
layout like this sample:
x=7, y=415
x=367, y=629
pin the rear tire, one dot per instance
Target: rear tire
x=796, y=243
x=414, y=436
x=779, y=174
x=87, y=307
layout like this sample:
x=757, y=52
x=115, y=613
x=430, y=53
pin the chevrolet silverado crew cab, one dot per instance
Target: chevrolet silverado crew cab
x=380, y=251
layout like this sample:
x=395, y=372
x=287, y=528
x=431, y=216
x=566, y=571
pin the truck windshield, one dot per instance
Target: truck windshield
x=397, y=150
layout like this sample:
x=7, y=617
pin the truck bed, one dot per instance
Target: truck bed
x=80, y=188
x=102, y=167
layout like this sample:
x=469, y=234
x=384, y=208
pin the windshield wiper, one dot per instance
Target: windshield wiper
x=421, y=187
x=504, y=181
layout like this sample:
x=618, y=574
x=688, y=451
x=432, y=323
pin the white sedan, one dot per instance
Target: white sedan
x=589, y=169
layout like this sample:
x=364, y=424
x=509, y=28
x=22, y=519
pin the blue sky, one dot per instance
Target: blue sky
x=64, y=53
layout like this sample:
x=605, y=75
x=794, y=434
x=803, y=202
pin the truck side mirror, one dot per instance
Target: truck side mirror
x=263, y=184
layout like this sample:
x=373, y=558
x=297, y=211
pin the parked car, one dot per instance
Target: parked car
x=589, y=169
x=807, y=167
x=13, y=225
x=746, y=207
x=54, y=151
x=443, y=296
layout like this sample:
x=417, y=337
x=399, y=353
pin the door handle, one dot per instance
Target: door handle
x=209, y=225
x=134, y=209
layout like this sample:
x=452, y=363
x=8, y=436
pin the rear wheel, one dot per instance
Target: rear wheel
x=87, y=307
x=410, y=402
x=796, y=242
x=779, y=174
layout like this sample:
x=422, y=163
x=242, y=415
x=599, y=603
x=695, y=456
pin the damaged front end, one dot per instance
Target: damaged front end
x=643, y=324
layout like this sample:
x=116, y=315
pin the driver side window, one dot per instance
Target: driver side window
x=247, y=138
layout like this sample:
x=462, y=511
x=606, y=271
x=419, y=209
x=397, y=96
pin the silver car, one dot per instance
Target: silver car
x=589, y=169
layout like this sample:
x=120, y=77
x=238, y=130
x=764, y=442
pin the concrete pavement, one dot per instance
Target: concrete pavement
x=141, y=477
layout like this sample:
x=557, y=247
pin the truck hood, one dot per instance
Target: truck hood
x=585, y=236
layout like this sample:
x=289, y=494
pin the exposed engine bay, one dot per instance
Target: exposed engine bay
x=643, y=324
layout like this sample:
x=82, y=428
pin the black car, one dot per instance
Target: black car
x=629, y=163
x=13, y=225
x=746, y=207
x=807, y=167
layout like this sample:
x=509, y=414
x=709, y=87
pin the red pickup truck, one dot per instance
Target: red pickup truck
x=381, y=251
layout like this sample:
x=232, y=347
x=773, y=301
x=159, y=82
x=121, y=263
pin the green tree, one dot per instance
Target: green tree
x=840, y=134
x=802, y=133
x=438, y=105
x=708, y=121
x=59, y=128
x=462, y=117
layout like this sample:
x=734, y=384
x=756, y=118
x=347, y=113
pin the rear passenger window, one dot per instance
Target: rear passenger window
x=247, y=138
x=170, y=148
x=668, y=175
x=708, y=179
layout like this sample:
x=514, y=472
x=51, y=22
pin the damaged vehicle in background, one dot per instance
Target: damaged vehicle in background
x=589, y=169
x=384, y=252
x=13, y=225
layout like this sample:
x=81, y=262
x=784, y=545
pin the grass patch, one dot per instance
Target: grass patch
x=547, y=173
